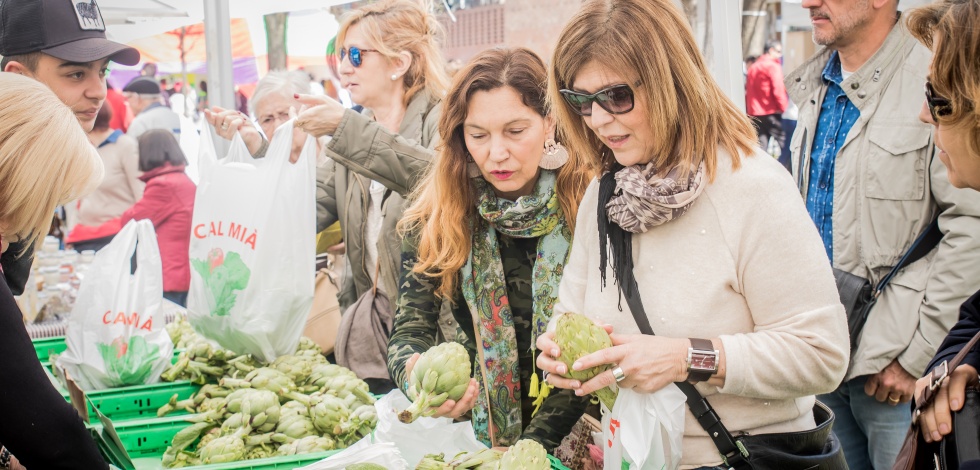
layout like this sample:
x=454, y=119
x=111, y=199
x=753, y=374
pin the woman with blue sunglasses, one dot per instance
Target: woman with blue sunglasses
x=392, y=66
x=691, y=232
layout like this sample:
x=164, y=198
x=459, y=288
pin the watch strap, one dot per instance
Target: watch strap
x=699, y=375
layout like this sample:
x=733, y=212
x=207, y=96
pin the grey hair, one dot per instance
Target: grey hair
x=280, y=82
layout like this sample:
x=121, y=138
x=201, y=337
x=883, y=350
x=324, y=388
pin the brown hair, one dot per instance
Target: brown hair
x=159, y=147
x=649, y=43
x=446, y=193
x=28, y=60
x=951, y=28
x=395, y=26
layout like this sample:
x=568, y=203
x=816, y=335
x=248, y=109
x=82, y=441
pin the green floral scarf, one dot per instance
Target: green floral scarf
x=485, y=291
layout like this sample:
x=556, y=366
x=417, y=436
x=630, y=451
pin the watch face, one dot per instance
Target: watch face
x=704, y=361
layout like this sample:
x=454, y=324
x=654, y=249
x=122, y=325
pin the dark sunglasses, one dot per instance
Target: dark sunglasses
x=355, y=55
x=617, y=99
x=938, y=106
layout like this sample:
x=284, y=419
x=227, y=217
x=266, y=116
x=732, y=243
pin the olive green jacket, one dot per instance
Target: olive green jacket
x=362, y=150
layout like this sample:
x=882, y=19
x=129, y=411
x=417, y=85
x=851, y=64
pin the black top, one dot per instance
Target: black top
x=37, y=425
x=962, y=332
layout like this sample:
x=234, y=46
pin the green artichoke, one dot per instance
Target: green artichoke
x=307, y=445
x=441, y=373
x=295, y=426
x=484, y=459
x=578, y=336
x=224, y=449
x=525, y=455
x=330, y=414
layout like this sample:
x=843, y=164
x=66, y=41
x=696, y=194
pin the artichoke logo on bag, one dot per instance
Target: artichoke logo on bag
x=129, y=362
x=224, y=276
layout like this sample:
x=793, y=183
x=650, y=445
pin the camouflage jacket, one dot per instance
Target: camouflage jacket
x=417, y=311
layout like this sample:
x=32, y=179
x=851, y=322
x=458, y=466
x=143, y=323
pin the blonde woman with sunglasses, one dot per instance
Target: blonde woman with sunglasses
x=728, y=267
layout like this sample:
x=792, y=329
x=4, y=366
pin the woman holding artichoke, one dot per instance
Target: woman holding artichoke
x=509, y=193
x=712, y=230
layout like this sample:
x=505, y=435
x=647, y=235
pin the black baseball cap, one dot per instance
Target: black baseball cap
x=71, y=30
x=143, y=86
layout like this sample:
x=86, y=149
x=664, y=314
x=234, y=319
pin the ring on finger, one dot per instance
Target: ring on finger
x=224, y=126
x=618, y=374
x=894, y=400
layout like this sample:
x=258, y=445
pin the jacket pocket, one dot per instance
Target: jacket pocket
x=897, y=162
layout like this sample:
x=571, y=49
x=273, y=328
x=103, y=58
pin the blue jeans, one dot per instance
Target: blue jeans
x=871, y=433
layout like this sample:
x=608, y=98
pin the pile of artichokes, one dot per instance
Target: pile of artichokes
x=524, y=455
x=297, y=404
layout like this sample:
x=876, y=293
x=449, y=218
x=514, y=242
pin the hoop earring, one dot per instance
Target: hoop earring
x=554, y=157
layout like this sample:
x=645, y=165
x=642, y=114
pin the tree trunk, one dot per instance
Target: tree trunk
x=275, y=31
x=753, y=27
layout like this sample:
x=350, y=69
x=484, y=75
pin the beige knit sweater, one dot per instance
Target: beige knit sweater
x=121, y=187
x=746, y=265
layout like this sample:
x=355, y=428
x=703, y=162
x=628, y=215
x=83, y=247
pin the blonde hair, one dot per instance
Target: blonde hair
x=649, y=44
x=446, y=192
x=952, y=30
x=395, y=26
x=45, y=157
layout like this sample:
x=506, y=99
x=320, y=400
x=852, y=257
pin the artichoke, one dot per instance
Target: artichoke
x=293, y=407
x=344, y=386
x=433, y=462
x=525, y=455
x=267, y=378
x=260, y=407
x=224, y=449
x=578, y=336
x=329, y=413
x=364, y=466
x=295, y=426
x=307, y=445
x=441, y=373
x=297, y=368
x=322, y=373
x=260, y=452
x=486, y=458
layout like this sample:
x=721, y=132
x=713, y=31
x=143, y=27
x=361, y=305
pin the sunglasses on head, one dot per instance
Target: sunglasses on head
x=617, y=99
x=355, y=55
x=938, y=106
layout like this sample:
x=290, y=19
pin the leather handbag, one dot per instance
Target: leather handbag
x=323, y=322
x=960, y=446
x=858, y=294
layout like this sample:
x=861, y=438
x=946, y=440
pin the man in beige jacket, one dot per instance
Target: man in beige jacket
x=865, y=166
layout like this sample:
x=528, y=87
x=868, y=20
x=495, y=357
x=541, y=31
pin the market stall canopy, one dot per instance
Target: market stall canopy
x=127, y=20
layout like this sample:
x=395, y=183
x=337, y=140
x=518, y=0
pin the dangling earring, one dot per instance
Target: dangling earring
x=554, y=155
x=394, y=76
x=472, y=169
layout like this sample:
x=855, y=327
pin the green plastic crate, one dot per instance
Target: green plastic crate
x=146, y=441
x=138, y=401
x=45, y=347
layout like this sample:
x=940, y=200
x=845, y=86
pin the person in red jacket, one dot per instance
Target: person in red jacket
x=168, y=202
x=765, y=95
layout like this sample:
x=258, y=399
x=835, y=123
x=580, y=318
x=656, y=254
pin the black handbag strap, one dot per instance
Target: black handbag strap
x=732, y=451
x=923, y=244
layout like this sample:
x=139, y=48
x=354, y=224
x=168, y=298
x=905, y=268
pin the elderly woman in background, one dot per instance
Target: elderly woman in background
x=391, y=64
x=711, y=229
x=512, y=203
x=120, y=188
x=45, y=161
x=952, y=106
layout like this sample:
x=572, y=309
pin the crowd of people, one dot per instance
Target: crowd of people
x=477, y=208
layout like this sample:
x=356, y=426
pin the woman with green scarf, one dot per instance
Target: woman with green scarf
x=488, y=233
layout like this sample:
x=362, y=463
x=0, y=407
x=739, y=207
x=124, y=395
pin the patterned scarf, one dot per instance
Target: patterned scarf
x=485, y=291
x=644, y=200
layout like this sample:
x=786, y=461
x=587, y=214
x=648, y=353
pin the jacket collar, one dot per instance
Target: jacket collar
x=418, y=108
x=865, y=83
x=161, y=170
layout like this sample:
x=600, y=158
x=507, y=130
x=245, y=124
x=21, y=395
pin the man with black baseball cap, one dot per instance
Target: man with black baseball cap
x=60, y=43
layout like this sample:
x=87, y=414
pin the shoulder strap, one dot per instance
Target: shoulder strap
x=732, y=451
x=926, y=241
x=937, y=376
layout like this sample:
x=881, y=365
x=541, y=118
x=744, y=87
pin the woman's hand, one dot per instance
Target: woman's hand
x=548, y=362
x=322, y=116
x=936, y=420
x=649, y=363
x=227, y=122
x=450, y=408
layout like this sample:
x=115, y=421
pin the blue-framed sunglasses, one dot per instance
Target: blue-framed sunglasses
x=355, y=55
x=617, y=99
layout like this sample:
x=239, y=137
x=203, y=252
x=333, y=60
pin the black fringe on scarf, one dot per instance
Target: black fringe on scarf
x=613, y=239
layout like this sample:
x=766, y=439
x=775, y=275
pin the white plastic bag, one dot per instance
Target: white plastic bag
x=385, y=454
x=116, y=335
x=253, y=246
x=645, y=430
x=424, y=435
